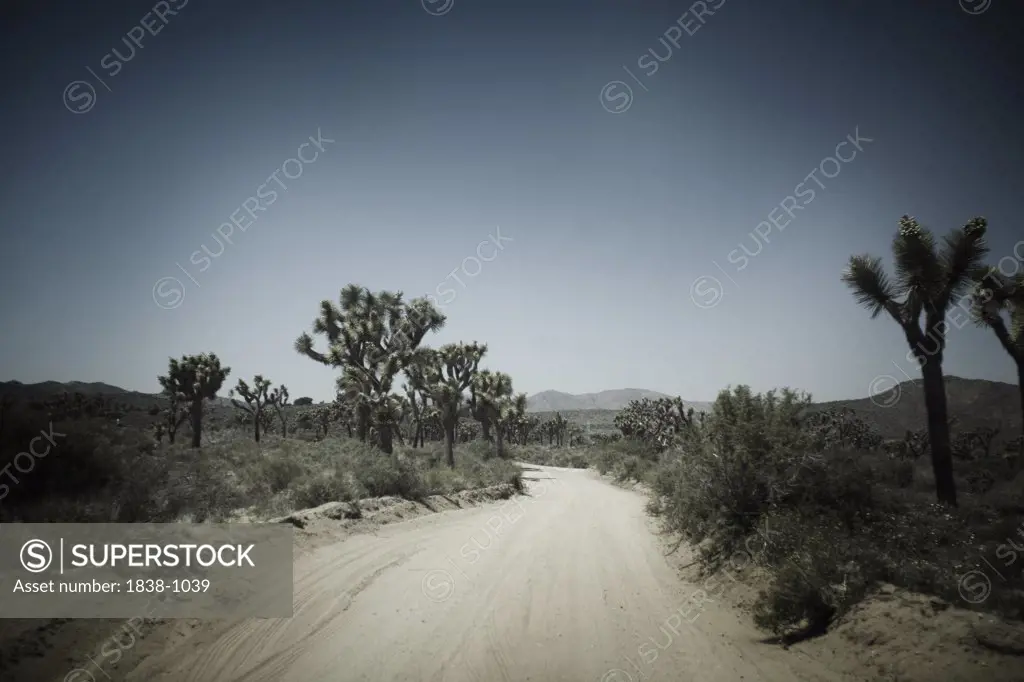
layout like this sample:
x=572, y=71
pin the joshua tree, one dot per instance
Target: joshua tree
x=555, y=429
x=433, y=429
x=323, y=415
x=417, y=399
x=278, y=398
x=487, y=392
x=267, y=420
x=173, y=416
x=511, y=411
x=928, y=279
x=256, y=400
x=655, y=422
x=195, y=378
x=371, y=337
x=995, y=295
x=447, y=372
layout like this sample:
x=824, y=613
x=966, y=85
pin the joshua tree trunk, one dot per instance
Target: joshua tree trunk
x=501, y=443
x=938, y=429
x=196, y=414
x=449, y=442
x=386, y=438
x=284, y=422
x=485, y=429
x=363, y=421
x=256, y=424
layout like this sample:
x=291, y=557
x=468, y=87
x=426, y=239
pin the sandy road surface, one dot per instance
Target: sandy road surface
x=566, y=584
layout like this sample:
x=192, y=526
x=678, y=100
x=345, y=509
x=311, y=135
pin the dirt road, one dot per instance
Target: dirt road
x=565, y=584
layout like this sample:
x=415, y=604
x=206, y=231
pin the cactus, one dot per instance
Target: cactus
x=193, y=379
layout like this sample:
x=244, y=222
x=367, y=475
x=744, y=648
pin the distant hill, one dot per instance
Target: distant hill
x=974, y=402
x=551, y=401
x=17, y=389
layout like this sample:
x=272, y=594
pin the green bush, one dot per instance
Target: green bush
x=379, y=477
x=843, y=516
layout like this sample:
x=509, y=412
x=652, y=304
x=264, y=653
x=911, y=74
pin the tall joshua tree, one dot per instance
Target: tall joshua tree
x=371, y=337
x=447, y=373
x=256, y=400
x=995, y=295
x=195, y=378
x=927, y=280
x=487, y=392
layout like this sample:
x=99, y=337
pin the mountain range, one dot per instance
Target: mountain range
x=615, y=399
x=972, y=402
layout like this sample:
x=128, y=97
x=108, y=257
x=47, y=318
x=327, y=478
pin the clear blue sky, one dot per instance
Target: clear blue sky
x=448, y=127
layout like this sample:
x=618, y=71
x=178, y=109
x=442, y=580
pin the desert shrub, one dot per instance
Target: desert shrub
x=799, y=596
x=903, y=473
x=578, y=460
x=479, y=449
x=444, y=481
x=321, y=488
x=842, y=429
x=277, y=471
x=632, y=468
x=830, y=523
x=610, y=457
x=572, y=457
x=98, y=472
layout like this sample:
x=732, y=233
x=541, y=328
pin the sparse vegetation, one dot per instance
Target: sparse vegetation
x=819, y=495
x=338, y=451
x=818, y=498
